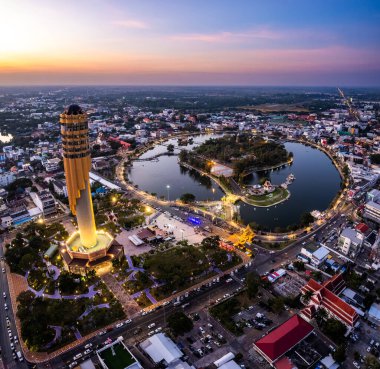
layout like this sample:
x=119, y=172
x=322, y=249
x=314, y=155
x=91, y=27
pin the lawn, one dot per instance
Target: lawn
x=117, y=358
x=269, y=199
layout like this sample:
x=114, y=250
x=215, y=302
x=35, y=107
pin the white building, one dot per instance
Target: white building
x=51, y=165
x=161, y=348
x=45, y=201
x=6, y=179
x=372, y=211
x=350, y=241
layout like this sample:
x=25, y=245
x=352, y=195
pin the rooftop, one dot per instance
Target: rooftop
x=117, y=356
x=284, y=337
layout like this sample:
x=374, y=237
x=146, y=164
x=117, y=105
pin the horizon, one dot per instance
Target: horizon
x=213, y=43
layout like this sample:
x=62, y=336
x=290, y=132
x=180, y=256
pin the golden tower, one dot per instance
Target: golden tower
x=77, y=165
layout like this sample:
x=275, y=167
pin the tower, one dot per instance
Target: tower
x=77, y=165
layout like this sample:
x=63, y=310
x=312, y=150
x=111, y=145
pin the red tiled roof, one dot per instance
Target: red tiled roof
x=362, y=227
x=323, y=295
x=335, y=283
x=284, y=337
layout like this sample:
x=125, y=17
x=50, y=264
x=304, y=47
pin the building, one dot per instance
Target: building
x=274, y=345
x=6, y=178
x=372, y=211
x=161, y=349
x=45, y=201
x=374, y=314
x=326, y=296
x=116, y=355
x=59, y=187
x=220, y=170
x=350, y=241
x=87, y=248
x=52, y=165
x=373, y=195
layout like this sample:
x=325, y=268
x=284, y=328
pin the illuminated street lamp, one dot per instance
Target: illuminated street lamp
x=181, y=230
x=168, y=188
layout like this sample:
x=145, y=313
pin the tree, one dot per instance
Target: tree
x=299, y=265
x=276, y=304
x=170, y=148
x=27, y=261
x=306, y=219
x=340, y=354
x=180, y=323
x=187, y=198
x=334, y=329
x=370, y=362
x=320, y=316
x=211, y=242
x=253, y=283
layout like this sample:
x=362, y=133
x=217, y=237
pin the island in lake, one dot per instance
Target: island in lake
x=230, y=158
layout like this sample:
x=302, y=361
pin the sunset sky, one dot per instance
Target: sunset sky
x=190, y=42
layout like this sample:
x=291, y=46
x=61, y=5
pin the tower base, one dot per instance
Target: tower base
x=80, y=259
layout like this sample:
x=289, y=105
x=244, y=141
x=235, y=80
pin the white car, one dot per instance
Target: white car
x=119, y=325
x=128, y=321
x=150, y=326
x=356, y=364
x=88, y=346
x=86, y=352
x=151, y=333
x=5, y=306
x=73, y=364
x=159, y=329
x=4, y=295
x=166, y=303
x=3, y=270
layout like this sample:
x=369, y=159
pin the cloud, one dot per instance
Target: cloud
x=131, y=23
x=230, y=37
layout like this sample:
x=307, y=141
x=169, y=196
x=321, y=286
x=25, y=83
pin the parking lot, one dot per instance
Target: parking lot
x=206, y=342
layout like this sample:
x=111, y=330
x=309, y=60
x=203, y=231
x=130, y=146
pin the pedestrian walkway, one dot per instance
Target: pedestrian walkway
x=129, y=305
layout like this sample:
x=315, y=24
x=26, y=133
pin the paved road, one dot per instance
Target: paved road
x=6, y=350
x=198, y=300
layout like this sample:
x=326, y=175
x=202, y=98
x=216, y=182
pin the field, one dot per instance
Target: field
x=273, y=108
x=120, y=358
x=279, y=194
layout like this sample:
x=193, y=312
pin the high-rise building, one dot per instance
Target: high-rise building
x=77, y=164
x=87, y=248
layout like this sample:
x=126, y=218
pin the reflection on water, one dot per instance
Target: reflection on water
x=316, y=184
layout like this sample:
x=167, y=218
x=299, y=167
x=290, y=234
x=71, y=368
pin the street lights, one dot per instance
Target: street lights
x=181, y=230
x=168, y=188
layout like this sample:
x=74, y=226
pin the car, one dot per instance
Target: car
x=158, y=329
x=119, y=325
x=86, y=352
x=152, y=325
x=14, y=356
x=73, y=364
x=369, y=349
x=77, y=356
x=12, y=346
x=15, y=339
x=151, y=333
x=5, y=306
x=3, y=270
x=128, y=321
x=101, y=333
x=228, y=280
x=356, y=364
x=166, y=303
x=89, y=345
x=4, y=295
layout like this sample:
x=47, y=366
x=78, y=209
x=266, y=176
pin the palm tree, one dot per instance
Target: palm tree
x=320, y=316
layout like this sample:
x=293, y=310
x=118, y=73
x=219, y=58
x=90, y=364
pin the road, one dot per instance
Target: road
x=198, y=300
x=5, y=342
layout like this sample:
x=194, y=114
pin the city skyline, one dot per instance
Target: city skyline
x=192, y=43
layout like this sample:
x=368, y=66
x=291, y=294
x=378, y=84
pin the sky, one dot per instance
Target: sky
x=190, y=42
